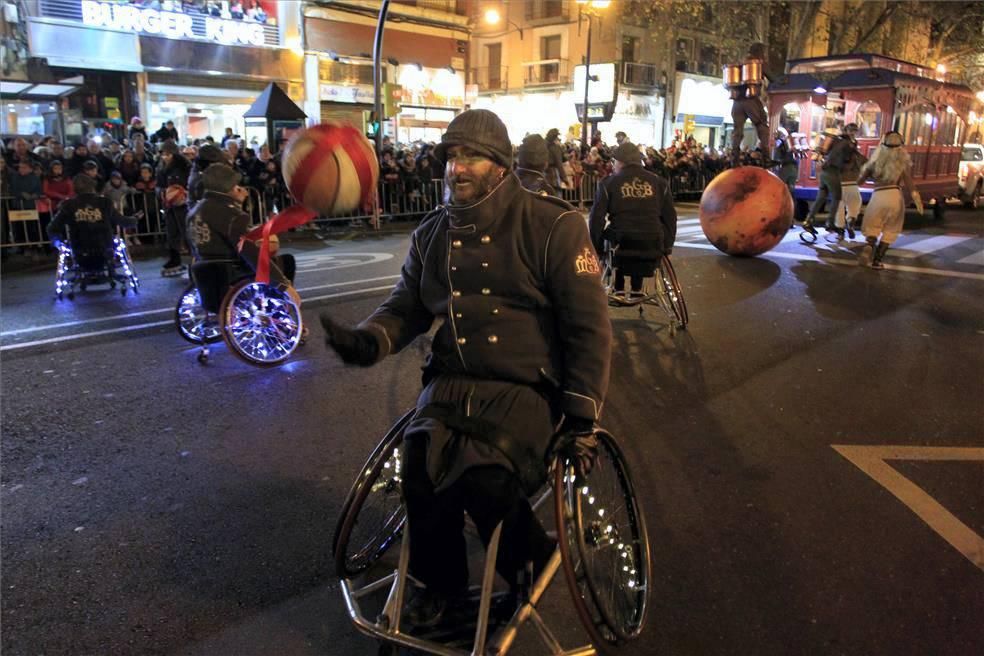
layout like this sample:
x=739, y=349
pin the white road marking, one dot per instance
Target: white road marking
x=123, y=329
x=977, y=258
x=872, y=461
x=128, y=315
x=847, y=261
x=927, y=246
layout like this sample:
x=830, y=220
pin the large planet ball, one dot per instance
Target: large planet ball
x=330, y=168
x=746, y=211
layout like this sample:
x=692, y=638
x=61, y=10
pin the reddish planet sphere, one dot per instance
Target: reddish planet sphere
x=746, y=211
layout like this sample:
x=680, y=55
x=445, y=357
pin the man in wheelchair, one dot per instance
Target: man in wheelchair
x=216, y=227
x=633, y=213
x=89, y=222
x=524, y=339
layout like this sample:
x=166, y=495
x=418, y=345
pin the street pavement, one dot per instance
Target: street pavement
x=809, y=454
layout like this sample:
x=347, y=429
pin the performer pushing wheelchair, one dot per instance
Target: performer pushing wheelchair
x=525, y=345
x=633, y=212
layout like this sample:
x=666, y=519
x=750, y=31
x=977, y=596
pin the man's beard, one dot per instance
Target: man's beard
x=469, y=188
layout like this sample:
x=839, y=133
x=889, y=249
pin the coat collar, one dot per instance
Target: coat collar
x=483, y=214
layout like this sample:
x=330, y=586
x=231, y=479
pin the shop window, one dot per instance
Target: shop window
x=789, y=117
x=869, y=120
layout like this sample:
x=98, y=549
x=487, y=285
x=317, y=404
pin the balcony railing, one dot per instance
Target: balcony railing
x=490, y=78
x=636, y=74
x=546, y=72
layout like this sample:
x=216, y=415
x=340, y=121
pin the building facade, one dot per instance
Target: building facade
x=525, y=66
x=93, y=65
x=423, y=65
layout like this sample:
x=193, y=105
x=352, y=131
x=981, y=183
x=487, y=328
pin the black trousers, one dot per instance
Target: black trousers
x=489, y=494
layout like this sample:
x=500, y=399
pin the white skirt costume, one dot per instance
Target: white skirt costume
x=884, y=214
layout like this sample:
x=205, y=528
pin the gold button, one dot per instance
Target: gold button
x=458, y=315
x=486, y=291
x=485, y=265
x=456, y=243
x=495, y=310
x=454, y=268
x=486, y=239
x=462, y=340
x=493, y=339
x=456, y=293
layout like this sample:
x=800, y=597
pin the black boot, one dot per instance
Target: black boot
x=876, y=263
x=850, y=229
x=867, y=252
x=808, y=226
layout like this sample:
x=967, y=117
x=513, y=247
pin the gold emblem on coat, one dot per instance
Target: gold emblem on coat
x=637, y=189
x=586, y=263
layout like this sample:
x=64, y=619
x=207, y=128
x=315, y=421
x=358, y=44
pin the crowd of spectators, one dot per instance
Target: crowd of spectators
x=135, y=171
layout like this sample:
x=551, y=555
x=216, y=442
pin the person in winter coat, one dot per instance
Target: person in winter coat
x=217, y=225
x=524, y=340
x=641, y=218
x=532, y=159
x=56, y=186
x=172, y=181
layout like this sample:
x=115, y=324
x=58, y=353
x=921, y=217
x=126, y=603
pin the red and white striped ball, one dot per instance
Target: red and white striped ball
x=330, y=168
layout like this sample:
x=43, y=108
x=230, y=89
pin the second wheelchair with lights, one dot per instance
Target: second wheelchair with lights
x=259, y=322
x=90, y=252
x=639, y=257
x=603, y=550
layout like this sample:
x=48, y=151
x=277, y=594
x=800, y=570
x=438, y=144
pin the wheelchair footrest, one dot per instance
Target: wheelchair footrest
x=457, y=628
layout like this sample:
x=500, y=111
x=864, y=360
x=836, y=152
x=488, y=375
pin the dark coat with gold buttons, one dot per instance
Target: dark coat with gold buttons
x=516, y=283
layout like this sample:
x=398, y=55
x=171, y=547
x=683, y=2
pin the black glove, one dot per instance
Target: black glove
x=353, y=346
x=576, y=439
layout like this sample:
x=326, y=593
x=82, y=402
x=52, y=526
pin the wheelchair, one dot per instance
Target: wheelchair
x=259, y=324
x=603, y=552
x=661, y=287
x=79, y=268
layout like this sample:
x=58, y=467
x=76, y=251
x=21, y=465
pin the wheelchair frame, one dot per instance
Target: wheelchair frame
x=665, y=292
x=249, y=320
x=70, y=274
x=568, y=486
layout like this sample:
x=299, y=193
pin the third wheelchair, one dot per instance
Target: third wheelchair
x=603, y=550
x=661, y=287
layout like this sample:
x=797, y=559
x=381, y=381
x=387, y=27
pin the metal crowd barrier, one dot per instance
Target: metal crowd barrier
x=23, y=225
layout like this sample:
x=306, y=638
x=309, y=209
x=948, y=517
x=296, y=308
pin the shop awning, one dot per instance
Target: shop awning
x=275, y=105
x=19, y=89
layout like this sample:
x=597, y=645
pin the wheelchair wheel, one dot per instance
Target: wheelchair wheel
x=191, y=319
x=260, y=324
x=674, y=294
x=604, y=545
x=373, y=513
x=608, y=273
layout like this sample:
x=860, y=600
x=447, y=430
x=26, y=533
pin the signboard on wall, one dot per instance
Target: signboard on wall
x=257, y=29
x=602, y=88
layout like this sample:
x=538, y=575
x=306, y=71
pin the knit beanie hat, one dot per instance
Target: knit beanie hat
x=210, y=153
x=532, y=153
x=480, y=130
x=628, y=153
x=221, y=178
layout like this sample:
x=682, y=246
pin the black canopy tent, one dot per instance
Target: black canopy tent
x=280, y=113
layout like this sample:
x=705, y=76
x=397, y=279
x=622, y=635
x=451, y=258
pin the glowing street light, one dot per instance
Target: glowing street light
x=493, y=17
x=585, y=9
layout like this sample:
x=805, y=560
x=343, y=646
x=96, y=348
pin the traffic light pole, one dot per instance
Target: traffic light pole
x=587, y=81
x=377, y=83
x=377, y=74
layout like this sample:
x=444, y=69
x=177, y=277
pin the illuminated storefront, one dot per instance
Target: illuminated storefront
x=200, y=66
x=702, y=108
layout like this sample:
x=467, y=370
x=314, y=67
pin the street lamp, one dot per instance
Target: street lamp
x=585, y=9
x=492, y=17
x=377, y=74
